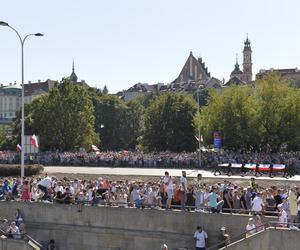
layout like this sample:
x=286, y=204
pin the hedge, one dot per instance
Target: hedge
x=15, y=170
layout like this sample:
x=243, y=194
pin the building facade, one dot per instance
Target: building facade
x=293, y=73
x=10, y=95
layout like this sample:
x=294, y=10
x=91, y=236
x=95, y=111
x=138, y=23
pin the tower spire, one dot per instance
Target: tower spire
x=73, y=76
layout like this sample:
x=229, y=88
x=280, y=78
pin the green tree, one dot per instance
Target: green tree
x=135, y=114
x=63, y=118
x=278, y=108
x=111, y=122
x=168, y=124
x=230, y=112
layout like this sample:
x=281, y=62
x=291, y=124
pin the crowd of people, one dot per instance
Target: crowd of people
x=167, y=193
x=155, y=160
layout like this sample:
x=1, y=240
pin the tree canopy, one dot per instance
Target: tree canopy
x=168, y=124
x=253, y=118
x=63, y=118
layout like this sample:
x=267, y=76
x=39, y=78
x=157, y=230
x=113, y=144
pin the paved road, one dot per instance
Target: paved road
x=146, y=172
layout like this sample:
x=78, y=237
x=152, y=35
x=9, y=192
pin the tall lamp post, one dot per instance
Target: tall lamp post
x=22, y=41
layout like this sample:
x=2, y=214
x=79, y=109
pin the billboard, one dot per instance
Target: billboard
x=217, y=139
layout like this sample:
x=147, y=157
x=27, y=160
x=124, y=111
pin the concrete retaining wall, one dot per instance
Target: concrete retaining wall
x=11, y=244
x=271, y=239
x=125, y=228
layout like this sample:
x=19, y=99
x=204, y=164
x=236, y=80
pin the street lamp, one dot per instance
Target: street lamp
x=22, y=41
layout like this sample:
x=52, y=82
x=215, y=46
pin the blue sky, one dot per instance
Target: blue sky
x=120, y=43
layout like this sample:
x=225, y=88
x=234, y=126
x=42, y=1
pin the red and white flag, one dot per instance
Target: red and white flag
x=19, y=148
x=34, y=141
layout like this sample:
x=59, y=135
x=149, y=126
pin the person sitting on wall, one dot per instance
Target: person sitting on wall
x=44, y=185
x=14, y=231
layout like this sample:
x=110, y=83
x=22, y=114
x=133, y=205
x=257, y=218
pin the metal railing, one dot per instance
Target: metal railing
x=145, y=205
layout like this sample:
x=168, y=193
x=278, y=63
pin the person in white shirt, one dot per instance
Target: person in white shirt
x=59, y=187
x=168, y=182
x=183, y=189
x=200, y=238
x=44, y=185
x=257, y=204
x=250, y=228
x=283, y=216
x=198, y=192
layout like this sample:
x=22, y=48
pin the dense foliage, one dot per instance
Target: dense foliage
x=260, y=116
x=64, y=119
x=267, y=115
x=169, y=124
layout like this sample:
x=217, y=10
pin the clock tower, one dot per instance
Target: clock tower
x=247, y=62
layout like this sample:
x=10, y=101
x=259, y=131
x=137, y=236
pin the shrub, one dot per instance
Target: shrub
x=15, y=170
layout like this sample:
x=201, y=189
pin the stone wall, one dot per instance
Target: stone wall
x=119, y=228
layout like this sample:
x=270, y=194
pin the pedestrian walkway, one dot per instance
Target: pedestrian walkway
x=150, y=172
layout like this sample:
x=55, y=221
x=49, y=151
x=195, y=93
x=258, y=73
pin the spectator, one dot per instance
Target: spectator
x=292, y=200
x=164, y=247
x=250, y=228
x=257, y=204
x=282, y=216
x=224, y=237
x=213, y=202
x=25, y=191
x=167, y=180
x=82, y=198
x=44, y=185
x=258, y=224
x=183, y=189
x=200, y=238
x=137, y=197
x=198, y=193
x=13, y=231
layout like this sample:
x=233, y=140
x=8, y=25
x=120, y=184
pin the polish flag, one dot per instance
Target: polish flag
x=34, y=141
x=19, y=148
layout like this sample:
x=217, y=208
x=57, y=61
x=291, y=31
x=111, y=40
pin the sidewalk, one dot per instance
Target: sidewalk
x=151, y=172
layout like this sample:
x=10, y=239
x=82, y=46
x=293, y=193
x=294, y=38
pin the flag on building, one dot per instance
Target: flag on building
x=19, y=148
x=34, y=141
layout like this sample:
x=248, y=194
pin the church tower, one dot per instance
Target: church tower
x=247, y=64
x=73, y=76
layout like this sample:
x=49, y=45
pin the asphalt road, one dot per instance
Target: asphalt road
x=148, y=172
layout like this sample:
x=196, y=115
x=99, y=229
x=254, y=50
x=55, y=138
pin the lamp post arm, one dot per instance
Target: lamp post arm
x=20, y=38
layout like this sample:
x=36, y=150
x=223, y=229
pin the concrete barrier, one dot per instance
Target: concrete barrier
x=271, y=239
x=124, y=228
